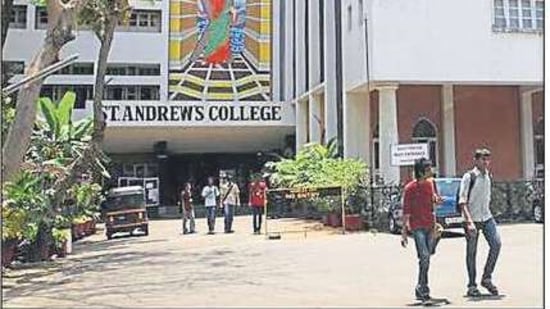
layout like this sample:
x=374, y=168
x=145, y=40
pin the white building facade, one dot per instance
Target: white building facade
x=457, y=74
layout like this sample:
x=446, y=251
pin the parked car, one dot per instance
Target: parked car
x=447, y=214
x=125, y=211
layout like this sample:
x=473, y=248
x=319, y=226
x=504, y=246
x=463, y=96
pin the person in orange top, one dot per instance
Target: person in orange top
x=257, y=199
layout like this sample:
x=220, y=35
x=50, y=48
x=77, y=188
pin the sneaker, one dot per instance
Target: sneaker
x=473, y=292
x=210, y=232
x=422, y=296
x=490, y=287
x=229, y=232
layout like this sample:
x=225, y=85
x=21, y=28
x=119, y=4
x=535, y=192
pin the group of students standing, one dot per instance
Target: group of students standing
x=226, y=197
x=420, y=198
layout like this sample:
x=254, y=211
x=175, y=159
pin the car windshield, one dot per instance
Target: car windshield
x=125, y=202
x=448, y=187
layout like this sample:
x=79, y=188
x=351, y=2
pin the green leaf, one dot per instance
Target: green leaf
x=83, y=128
x=48, y=109
x=65, y=109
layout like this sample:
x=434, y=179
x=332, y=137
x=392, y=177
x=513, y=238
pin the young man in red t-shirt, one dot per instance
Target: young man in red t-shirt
x=256, y=199
x=419, y=219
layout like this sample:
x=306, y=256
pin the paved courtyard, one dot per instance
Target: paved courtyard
x=323, y=269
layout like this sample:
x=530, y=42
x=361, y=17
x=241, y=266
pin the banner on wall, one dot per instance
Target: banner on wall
x=220, y=50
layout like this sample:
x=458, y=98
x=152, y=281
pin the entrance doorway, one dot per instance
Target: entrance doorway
x=176, y=170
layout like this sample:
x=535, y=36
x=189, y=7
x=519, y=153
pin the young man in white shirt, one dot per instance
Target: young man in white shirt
x=474, y=200
x=230, y=194
x=210, y=193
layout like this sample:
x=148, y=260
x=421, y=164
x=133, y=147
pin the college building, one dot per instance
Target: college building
x=199, y=86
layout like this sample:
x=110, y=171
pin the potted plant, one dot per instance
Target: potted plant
x=60, y=238
x=353, y=218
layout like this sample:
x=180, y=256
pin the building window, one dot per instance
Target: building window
x=84, y=68
x=132, y=93
x=143, y=21
x=539, y=148
x=518, y=15
x=41, y=18
x=424, y=132
x=137, y=69
x=18, y=17
x=376, y=149
x=56, y=92
x=13, y=67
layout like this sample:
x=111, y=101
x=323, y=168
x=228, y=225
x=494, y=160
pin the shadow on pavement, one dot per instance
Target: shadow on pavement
x=484, y=297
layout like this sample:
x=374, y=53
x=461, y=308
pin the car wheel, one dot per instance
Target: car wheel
x=538, y=216
x=394, y=229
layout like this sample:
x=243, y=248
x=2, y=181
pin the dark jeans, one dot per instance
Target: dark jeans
x=228, y=216
x=211, y=217
x=257, y=213
x=489, y=229
x=425, y=246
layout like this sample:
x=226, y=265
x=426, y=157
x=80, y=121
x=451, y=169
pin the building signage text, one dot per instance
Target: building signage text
x=406, y=154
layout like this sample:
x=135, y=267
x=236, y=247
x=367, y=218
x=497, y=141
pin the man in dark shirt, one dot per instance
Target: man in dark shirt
x=418, y=218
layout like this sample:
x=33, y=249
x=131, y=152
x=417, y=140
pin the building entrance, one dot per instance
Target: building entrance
x=176, y=170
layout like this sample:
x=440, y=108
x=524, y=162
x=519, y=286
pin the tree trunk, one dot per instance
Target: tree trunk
x=93, y=151
x=60, y=32
x=106, y=39
x=40, y=248
x=6, y=14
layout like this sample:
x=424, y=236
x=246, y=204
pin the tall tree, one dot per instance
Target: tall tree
x=62, y=16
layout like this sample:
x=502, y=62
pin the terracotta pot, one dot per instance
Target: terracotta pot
x=80, y=230
x=88, y=228
x=325, y=220
x=9, y=251
x=354, y=222
x=74, y=231
x=334, y=220
x=93, y=227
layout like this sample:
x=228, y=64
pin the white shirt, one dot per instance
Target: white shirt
x=210, y=194
x=480, y=196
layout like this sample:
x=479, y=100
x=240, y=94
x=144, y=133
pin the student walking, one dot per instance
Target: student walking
x=210, y=193
x=230, y=199
x=474, y=201
x=188, y=212
x=256, y=199
x=419, y=219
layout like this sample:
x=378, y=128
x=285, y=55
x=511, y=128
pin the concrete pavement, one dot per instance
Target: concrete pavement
x=325, y=269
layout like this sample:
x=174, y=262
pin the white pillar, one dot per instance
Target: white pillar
x=449, y=144
x=315, y=118
x=527, y=139
x=387, y=119
x=356, y=126
x=301, y=124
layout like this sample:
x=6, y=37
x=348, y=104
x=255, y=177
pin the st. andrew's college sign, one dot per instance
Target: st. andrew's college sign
x=144, y=113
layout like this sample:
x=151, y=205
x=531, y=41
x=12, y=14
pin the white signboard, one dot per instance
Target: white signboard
x=140, y=113
x=405, y=154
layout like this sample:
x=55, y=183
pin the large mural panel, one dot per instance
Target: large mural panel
x=220, y=50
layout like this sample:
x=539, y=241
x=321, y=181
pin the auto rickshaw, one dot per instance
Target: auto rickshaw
x=124, y=211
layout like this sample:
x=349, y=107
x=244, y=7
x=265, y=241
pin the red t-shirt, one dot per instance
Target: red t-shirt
x=257, y=194
x=418, y=203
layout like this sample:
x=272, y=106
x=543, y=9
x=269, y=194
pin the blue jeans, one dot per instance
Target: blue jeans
x=425, y=246
x=211, y=217
x=228, y=216
x=489, y=229
x=257, y=218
